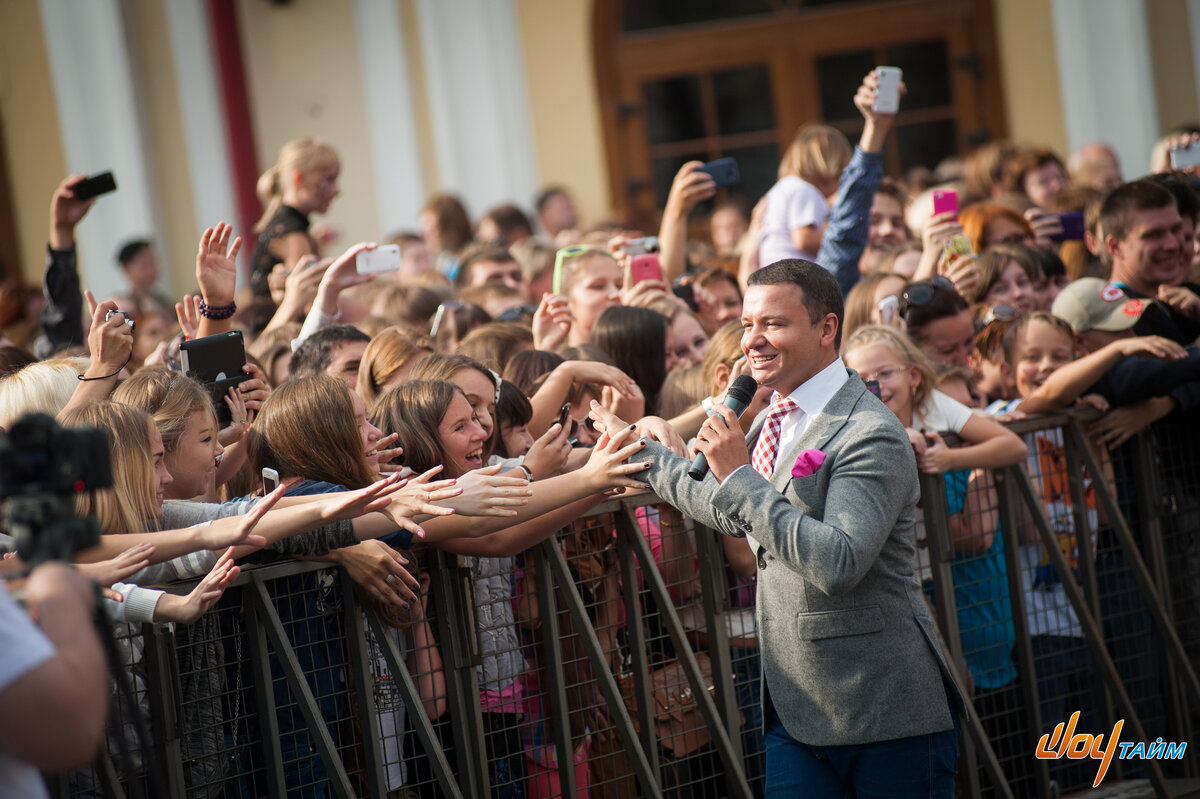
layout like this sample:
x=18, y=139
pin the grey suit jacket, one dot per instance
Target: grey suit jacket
x=849, y=650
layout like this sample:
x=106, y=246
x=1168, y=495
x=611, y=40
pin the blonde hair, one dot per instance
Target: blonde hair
x=905, y=349
x=725, y=347
x=861, y=301
x=298, y=155
x=170, y=398
x=574, y=266
x=818, y=154
x=389, y=352
x=129, y=506
x=44, y=387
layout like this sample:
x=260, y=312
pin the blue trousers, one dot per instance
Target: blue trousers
x=920, y=766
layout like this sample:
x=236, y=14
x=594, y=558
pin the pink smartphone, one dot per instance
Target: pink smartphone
x=645, y=267
x=945, y=202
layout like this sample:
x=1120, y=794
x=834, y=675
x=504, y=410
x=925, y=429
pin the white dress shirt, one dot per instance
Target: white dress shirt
x=810, y=397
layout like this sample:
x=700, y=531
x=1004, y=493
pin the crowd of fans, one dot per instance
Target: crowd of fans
x=446, y=403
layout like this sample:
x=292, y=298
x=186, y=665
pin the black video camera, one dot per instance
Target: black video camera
x=42, y=467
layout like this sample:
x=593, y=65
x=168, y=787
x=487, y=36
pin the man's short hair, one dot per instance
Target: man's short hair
x=822, y=295
x=481, y=252
x=892, y=188
x=130, y=250
x=510, y=222
x=1181, y=190
x=1116, y=214
x=315, y=353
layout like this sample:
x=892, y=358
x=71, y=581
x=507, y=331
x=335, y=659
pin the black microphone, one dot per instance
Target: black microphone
x=737, y=398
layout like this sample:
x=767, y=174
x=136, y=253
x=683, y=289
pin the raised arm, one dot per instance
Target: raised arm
x=1069, y=381
x=850, y=218
x=63, y=312
x=216, y=273
x=689, y=188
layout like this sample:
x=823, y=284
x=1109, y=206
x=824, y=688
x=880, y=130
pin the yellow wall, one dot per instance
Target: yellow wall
x=35, y=152
x=153, y=67
x=1029, y=72
x=1173, y=59
x=569, y=139
x=303, y=78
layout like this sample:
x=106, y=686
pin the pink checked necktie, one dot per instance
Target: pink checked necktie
x=767, y=446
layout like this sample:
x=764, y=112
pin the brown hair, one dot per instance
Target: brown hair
x=389, y=352
x=453, y=225
x=1019, y=325
x=1025, y=162
x=307, y=429
x=415, y=410
x=493, y=345
x=303, y=155
x=991, y=265
x=984, y=167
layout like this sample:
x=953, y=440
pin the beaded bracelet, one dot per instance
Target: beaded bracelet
x=217, y=311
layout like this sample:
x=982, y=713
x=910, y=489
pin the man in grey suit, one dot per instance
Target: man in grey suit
x=857, y=697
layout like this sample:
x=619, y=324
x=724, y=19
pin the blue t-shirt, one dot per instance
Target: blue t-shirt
x=985, y=620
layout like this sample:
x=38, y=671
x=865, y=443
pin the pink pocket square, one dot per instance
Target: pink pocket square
x=809, y=461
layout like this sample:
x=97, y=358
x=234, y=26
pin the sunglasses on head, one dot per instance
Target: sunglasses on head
x=562, y=256
x=918, y=294
x=1000, y=312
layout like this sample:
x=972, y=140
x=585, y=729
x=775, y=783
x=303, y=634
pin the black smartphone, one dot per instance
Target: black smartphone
x=94, y=186
x=564, y=414
x=1072, y=227
x=724, y=172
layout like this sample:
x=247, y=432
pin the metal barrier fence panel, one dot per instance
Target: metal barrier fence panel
x=619, y=657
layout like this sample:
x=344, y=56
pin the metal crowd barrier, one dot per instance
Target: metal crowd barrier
x=623, y=633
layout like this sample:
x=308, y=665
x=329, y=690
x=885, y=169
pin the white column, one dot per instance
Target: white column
x=101, y=129
x=203, y=114
x=1107, y=77
x=479, y=101
x=395, y=152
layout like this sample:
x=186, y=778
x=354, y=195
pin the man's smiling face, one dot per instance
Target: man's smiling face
x=783, y=344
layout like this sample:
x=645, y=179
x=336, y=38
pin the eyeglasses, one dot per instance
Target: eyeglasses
x=564, y=255
x=884, y=375
x=918, y=294
x=1000, y=312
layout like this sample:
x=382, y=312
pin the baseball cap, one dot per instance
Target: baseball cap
x=1090, y=303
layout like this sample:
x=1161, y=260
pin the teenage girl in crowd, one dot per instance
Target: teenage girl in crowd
x=302, y=182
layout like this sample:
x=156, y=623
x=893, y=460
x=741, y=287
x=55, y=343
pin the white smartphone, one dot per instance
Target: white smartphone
x=887, y=96
x=888, y=307
x=270, y=480
x=1186, y=157
x=385, y=258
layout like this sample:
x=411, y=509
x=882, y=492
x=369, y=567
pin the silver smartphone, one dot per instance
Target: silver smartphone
x=270, y=479
x=385, y=258
x=1186, y=157
x=887, y=95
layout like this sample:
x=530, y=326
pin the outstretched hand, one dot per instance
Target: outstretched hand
x=214, y=537
x=216, y=264
x=422, y=496
x=651, y=427
x=187, y=609
x=486, y=492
